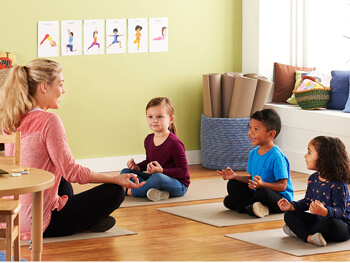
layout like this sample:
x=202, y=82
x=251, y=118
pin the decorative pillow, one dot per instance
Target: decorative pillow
x=285, y=80
x=347, y=105
x=340, y=90
x=298, y=75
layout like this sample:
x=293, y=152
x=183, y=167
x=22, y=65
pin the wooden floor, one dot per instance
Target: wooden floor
x=165, y=237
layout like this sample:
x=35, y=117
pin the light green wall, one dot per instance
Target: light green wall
x=103, y=109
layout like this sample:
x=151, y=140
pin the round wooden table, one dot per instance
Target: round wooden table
x=35, y=182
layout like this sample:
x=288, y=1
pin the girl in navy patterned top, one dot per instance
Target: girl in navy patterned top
x=327, y=196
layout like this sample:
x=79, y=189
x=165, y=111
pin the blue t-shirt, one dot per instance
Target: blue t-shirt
x=271, y=167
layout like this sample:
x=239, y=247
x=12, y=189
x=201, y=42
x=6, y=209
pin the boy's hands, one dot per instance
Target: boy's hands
x=317, y=208
x=256, y=182
x=154, y=167
x=227, y=174
x=132, y=165
x=284, y=205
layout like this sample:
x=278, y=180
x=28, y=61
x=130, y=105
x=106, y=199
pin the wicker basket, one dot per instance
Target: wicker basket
x=225, y=143
x=312, y=99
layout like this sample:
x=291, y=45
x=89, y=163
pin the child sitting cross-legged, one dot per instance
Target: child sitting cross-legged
x=327, y=196
x=269, y=172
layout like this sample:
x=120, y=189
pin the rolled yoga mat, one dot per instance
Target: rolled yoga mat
x=262, y=91
x=212, y=95
x=227, y=85
x=242, y=97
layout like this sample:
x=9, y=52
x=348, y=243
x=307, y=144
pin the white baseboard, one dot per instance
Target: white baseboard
x=110, y=164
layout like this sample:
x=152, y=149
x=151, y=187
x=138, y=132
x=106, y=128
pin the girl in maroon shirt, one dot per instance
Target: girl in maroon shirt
x=165, y=169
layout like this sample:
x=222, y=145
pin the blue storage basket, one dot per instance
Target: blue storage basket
x=225, y=143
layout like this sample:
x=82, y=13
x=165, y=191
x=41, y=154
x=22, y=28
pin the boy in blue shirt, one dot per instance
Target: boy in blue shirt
x=269, y=172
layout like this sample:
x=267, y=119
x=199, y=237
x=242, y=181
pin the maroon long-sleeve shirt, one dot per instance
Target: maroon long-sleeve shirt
x=170, y=155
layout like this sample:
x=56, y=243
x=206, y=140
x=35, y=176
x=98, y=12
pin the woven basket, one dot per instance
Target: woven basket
x=312, y=99
x=225, y=143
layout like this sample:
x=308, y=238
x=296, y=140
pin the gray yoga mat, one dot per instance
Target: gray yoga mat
x=216, y=214
x=276, y=239
x=114, y=231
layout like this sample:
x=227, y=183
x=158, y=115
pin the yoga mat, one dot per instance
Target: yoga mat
x=276, y=239
x=252, y=75
x=212, y=95
x=263, y=88
x=198, y=190
x=242, y=97
x=207, y=110
x=114, y=231
x=227, y=85
x=216, y=214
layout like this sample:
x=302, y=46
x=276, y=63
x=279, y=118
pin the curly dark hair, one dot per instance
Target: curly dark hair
x=333, y=161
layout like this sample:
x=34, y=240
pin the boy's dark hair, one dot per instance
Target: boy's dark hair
x=72, y=33
x=138, y=27
x=333, y=161
x=115, y=30
x=269, y=118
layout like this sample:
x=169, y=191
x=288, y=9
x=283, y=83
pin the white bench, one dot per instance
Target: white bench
x=300, y=126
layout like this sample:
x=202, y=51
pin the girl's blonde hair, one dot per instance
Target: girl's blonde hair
x=168, y=105
x=17, y=93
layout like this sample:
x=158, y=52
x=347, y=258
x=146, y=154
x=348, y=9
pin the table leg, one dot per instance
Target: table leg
x=37, y=225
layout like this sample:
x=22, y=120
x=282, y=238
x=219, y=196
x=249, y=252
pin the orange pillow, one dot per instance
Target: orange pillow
x=284, y=81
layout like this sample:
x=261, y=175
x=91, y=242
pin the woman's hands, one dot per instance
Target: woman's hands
x=132, y=165
x=124, y=180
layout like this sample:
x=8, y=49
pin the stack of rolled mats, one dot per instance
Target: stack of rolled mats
x=234, y=95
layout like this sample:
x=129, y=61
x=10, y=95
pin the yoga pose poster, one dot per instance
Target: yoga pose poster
x=94, y=37
x=158, y=34
x=48, y=36
x=71, y=38
x=115, y=36
x=137, y=35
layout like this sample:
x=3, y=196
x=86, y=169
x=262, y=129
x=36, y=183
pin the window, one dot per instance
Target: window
x=327, y=34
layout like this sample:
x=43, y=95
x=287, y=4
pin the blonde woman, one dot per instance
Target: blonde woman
x=28, y=92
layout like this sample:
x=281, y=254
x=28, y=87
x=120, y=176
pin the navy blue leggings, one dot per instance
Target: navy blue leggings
x=304, y=224
x=83, y=209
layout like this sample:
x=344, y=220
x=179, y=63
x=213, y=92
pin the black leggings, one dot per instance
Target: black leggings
x=83, y=209
x=304, y=224
x=240, y=196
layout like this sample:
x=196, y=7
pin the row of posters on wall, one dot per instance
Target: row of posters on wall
x=111, y=36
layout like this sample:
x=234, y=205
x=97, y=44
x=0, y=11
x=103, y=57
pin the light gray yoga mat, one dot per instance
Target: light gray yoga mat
x=114, y=231
x=276, y=239
x=198, y=190
x=216, y=214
